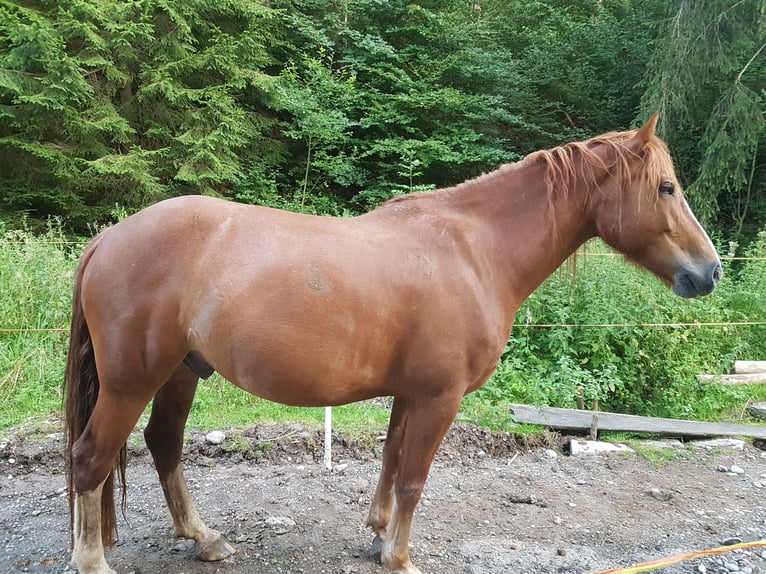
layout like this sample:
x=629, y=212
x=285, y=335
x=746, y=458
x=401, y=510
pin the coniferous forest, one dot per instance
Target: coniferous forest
x=332, y=106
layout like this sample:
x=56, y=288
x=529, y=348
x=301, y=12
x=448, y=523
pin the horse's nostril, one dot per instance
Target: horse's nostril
x=717, y=273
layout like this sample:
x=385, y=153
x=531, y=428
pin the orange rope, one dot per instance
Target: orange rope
x=655, y=564
x=611, y=325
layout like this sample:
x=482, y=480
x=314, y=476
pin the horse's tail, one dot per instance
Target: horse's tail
x=81, y=387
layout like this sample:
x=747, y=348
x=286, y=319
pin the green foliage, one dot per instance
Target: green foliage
x=128, y=102
x=318, y=102
x=296, y=103
x=341, y=104
x=636, y=365
x=707, y=79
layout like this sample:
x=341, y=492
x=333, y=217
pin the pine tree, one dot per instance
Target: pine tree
x=113, y=102
x=708, y=81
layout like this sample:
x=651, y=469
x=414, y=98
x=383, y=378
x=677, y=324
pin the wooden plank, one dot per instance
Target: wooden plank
x=749, y=367
x=570, y=419
x=749, y=379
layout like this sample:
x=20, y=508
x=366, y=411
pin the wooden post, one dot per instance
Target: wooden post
x=745, y=379
x=593, y=434
x=580, y=399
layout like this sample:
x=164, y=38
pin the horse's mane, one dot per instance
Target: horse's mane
x=565, y=163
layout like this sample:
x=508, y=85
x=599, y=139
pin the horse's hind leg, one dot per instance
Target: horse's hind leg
x=93, y=456
x=164, y=437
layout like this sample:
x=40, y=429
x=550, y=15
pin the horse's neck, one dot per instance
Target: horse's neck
x=531, y=232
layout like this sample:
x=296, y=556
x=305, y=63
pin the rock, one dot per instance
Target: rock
x=660, y=494
x=215, y=437
x=358, y=485
x=280, y=524
x=549, y=453
x=733, y=443
x=731, y=541
x=758, y=410
x=580, y=447
x=736, y=469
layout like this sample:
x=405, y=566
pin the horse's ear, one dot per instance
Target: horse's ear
x=646, y=132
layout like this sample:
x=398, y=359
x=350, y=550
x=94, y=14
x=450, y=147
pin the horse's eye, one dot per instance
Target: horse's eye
x=667, y=187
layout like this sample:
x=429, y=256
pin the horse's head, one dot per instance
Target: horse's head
x=642, y=212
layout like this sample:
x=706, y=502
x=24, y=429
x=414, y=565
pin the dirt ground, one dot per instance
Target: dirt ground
x=492, y=504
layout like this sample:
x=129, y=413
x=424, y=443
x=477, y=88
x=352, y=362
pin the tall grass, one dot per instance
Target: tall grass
x=35, y=298
x=633, y=367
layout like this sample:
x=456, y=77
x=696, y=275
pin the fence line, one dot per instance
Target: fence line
x=579, y=254
x=517, y=326
x=614, y=325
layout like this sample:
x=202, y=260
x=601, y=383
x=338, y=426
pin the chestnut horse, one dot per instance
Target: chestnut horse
x=414, y=300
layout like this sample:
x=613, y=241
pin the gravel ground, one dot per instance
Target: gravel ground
x=494, y=503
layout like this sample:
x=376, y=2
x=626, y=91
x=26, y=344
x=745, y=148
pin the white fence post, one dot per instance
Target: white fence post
x=328, y=438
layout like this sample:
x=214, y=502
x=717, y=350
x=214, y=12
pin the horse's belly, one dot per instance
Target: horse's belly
x=308, y=384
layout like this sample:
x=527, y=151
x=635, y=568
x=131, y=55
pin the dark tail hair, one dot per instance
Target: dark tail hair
x=81, y=388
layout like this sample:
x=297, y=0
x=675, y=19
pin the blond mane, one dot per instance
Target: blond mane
x=567, y=164
x=579, y=159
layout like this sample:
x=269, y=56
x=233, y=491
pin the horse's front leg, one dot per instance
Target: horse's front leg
x=382, y=502
x=427, y=421
x=164, y=437
x=88, y=554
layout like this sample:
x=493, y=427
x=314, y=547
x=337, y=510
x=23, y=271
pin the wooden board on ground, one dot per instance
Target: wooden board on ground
x=571, y=419
x=744, y=379
x=749, y=367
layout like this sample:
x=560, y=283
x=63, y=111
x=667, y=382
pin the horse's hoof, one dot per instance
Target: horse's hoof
x=376, y=549
x=407, y=568
x=399, y=566
x=216, y=550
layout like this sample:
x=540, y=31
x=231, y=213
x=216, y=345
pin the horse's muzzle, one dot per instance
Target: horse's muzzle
x=696, y=282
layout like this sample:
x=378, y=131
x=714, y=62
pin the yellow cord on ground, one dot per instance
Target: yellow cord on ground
x=655, y=564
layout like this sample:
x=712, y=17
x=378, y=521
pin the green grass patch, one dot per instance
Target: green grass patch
x=218, y=404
